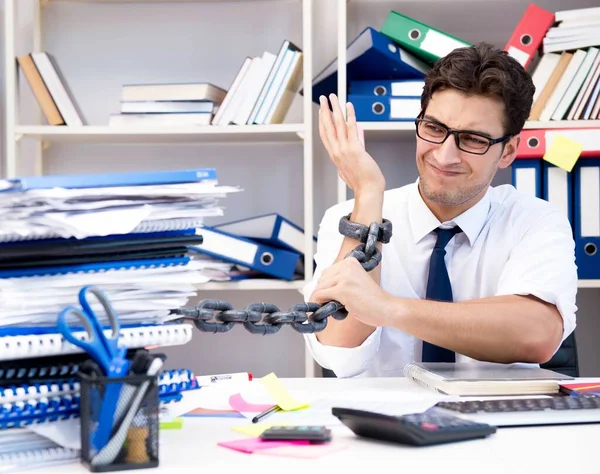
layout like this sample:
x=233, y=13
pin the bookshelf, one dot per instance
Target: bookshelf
x=38, y=138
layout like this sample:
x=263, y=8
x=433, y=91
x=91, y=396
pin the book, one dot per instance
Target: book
x=58, y=88
x=173, y=92
x=484, y=379
x=40, y=91
x=159, y=119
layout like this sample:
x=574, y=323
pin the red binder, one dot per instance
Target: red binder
x=528, y=35
x=534, y=142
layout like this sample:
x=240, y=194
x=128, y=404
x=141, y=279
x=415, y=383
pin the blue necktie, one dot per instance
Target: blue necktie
x=439, y=289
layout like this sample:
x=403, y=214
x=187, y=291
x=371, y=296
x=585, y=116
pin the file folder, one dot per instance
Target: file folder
x=103, y=180
x=271, y=229
x=527, y=37
x=587, y=217
x=370, y=108
x=263, y=258
x=527, y=176
x=535, y=142
x=424, y=41
x=371, y=55
x=558, y=188
x=401, y=88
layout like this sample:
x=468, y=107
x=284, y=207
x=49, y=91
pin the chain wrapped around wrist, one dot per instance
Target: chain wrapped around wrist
x=217, y=316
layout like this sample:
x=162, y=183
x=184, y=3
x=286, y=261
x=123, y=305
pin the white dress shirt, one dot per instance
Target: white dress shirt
x=511, y=244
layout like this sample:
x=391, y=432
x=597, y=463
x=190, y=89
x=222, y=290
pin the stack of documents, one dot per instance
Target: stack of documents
x=126, y=233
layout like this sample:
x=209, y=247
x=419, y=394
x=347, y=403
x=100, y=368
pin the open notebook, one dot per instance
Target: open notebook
x=474, y=379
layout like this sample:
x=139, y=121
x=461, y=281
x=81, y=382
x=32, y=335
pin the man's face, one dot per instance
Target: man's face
x=449, y=176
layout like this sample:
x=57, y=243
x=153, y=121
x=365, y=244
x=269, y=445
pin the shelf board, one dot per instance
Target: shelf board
x=252, y=284
x=391, y=130
x=588, y=283
x=564, y=124
x=162, y=1
x=154, y=134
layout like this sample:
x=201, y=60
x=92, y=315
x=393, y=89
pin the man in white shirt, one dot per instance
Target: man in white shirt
x=500, y=284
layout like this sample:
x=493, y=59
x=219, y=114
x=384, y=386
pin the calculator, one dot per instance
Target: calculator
x=417, y=429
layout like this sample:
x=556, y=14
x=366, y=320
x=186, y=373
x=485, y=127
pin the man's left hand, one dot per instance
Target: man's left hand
x=348, y=282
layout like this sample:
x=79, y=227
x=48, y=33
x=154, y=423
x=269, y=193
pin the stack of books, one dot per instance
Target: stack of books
x=386, y=69
x=568, y=72
x=263, y=88
x=176, y=104
x=50, y=89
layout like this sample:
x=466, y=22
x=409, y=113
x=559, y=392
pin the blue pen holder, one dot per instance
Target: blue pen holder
x=133, y=440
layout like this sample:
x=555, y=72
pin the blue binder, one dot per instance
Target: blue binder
x=558, y=188
x=271, y=229
x=379, y=87
x=263, y=258
x=371, y=55
x=587, y=217
x=103, y=180
x=527, y=176
x=370, y=108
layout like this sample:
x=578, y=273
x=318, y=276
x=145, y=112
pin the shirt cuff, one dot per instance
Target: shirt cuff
x=345, y=361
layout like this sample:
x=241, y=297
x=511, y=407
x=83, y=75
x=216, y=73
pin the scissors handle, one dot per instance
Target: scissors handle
x=94, y=347
x=112, y=341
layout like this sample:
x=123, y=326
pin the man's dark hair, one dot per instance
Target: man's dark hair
x=484, y=70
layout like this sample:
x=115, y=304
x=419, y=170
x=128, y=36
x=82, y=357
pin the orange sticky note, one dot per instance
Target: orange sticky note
x=563, y=152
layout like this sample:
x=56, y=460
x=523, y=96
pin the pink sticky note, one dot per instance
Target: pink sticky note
x=250, y=445
x=240, y=405
x=307, y=452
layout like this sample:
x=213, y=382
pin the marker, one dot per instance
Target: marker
x=205, y=380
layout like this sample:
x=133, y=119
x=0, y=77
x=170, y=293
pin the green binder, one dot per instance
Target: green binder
x=424, y=41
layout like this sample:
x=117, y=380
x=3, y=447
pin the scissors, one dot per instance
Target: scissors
x=105, y=351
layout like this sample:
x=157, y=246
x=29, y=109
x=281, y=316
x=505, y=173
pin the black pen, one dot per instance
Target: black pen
x=260, y=416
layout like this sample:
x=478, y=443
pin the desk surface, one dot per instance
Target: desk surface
x=571, y=449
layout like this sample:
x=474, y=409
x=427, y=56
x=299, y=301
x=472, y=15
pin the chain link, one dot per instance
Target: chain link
x=217, y=316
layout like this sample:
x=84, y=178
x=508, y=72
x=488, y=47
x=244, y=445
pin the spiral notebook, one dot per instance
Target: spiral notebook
x=484, y=379
x=22, y=449
x=41, y=345
x=159, y=225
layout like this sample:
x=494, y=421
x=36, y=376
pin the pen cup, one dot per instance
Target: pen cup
x=126, y=437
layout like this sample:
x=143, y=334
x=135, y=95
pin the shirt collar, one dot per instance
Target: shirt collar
x=423, y=222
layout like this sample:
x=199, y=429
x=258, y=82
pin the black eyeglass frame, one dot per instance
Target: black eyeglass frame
x=456, y=133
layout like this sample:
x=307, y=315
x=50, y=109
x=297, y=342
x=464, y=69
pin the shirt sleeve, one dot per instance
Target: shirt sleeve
x=542, y=264
x=343, y=361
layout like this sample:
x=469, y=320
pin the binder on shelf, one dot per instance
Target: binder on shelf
x=385, y=108
x=400, y=88
x=527, y=176
x=371, y=55
x=263, y=258
x=558, y=188
x=103, y=180
x=134, y=337
x=587, y=217
x=271, y=229
x=424, y=41
x=529, y=33
x=535, y=142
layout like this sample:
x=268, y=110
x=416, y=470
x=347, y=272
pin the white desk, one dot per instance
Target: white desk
x=553, y=449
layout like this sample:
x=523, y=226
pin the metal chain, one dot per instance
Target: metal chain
x=217, y=316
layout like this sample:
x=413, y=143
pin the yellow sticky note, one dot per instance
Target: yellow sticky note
x=256, y=429
x=563, y=152
x=280, y=395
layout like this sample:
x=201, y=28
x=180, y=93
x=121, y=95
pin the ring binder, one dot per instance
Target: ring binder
x=22, y=347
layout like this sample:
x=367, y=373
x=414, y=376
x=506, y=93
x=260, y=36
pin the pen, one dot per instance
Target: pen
x=260, y=416
x=205, y=380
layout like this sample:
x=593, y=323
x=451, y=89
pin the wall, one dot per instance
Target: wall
x=100, y=47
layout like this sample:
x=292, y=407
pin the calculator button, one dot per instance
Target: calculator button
x=429, y=426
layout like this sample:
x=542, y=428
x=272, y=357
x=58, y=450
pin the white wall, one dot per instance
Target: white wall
x=100, y=47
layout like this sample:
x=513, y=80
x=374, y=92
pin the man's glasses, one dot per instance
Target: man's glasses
x=470, y=142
